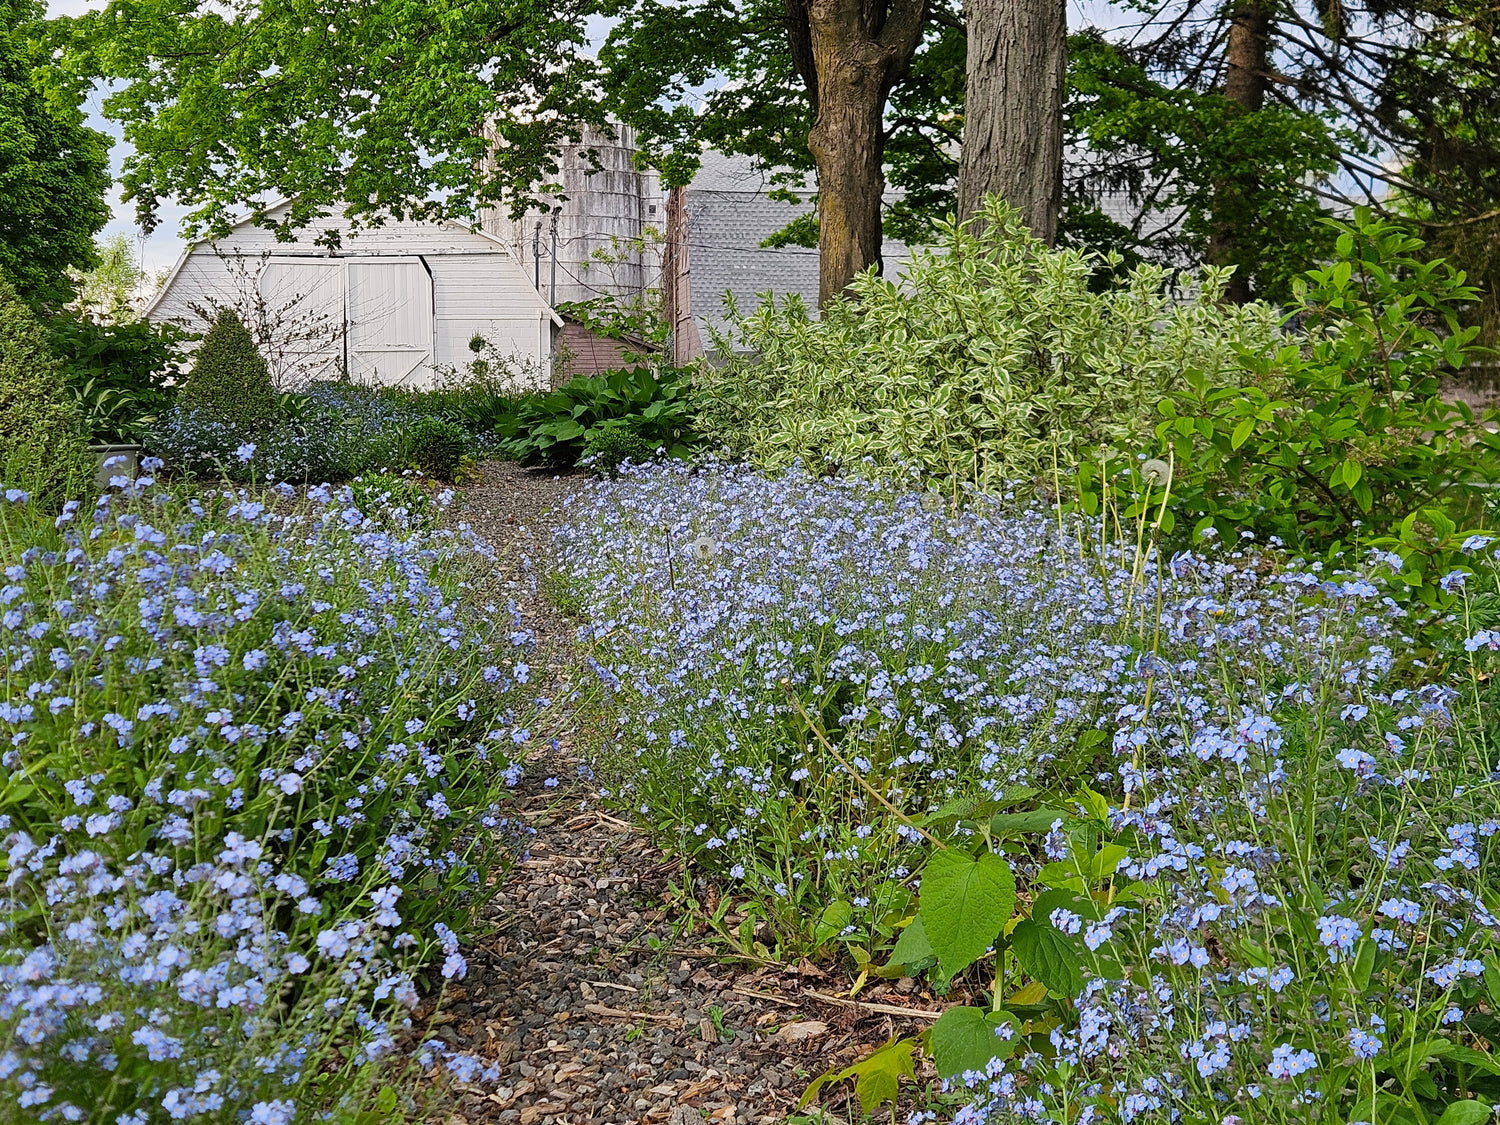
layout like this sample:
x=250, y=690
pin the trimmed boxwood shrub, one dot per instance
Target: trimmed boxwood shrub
x=437, y=447
x=41, y=450
x=230, y=381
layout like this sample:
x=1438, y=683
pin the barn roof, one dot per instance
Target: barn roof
x=729, y=214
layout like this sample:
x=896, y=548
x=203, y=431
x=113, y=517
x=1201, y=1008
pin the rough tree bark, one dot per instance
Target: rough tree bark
x=850, y=53
x=1246, y=77
x=1013, y=104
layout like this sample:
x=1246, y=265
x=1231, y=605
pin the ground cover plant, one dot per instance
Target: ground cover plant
x=330, y=431
x=1189, y=837
x=254, y=745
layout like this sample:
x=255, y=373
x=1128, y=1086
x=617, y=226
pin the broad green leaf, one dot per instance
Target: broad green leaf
x=1492, y=979
x=1048, y=901
x=962, y=808
x=965, y=901
x=966, y=1039
x=1241, y=433
x=1466, y=1113
x=1047, y=955
x=835, y=917
x=912, y=946
x=1106, y=860
x=877, y=1076
x=1020, y=824
x=1093, y=803
x=1470, y=1057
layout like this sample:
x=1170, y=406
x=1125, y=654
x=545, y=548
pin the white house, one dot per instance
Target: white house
x=396, y=304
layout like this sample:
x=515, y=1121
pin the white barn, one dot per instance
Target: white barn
x=396, y=305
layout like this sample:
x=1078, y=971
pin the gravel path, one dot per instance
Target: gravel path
x=589, y=983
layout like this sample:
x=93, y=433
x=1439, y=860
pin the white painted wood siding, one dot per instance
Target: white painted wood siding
x=395, y=304
x=483, y=295
x=389, y=309
x=304, y=305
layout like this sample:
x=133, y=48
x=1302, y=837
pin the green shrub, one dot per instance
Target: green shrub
x=654, y=408
x=41, y=451
x=437, y=447
x=1343, y=434
x=119, y=373
x=609, y=444
x=988, y=354
x=230, y=380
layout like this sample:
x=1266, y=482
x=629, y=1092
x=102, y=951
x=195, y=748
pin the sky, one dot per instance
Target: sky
x=160, y=250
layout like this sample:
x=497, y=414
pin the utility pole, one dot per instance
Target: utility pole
x=536, y=256
x=552, y=297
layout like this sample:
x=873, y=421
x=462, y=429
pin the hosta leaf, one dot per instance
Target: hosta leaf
x=965, y=902
x=965, y=1039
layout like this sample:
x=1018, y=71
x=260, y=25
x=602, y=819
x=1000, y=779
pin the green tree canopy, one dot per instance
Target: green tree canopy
x=54, y=171
x=374, y=106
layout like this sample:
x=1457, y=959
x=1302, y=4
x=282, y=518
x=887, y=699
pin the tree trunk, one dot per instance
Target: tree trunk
x=1245, y=83
x=1013, y=105
x=850, y=53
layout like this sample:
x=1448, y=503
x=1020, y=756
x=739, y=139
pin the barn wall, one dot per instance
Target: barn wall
x=203, y=279
x=478, y=295
x=477, y=288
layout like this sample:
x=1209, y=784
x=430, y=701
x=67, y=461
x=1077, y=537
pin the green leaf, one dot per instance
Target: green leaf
x=1465, y=1113
x=965, y=1039
x=1492, y=979
x=1106, y=860
x=877, y=1076
x=834, y=918
x=965, y=902
x=962, y=808
x=1470, y=1057
x=1045, y=903
x=1241, y=433
x=1364, y=964
x=1093, y=803
x=1047, y=955
x=912, y=946
x=1020, y=824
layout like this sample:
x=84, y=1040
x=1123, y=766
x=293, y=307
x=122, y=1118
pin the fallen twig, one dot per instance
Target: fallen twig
x=883, y=1009
x=620, y=1013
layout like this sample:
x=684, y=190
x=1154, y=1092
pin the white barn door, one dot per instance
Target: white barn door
x=302, y=319
x=390, y=320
